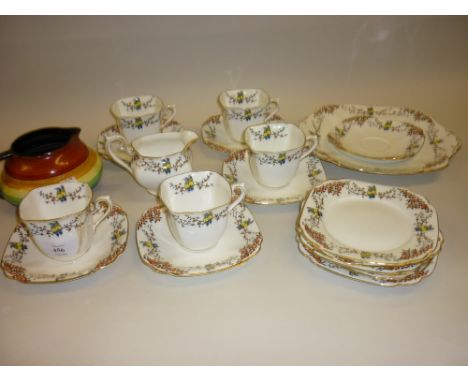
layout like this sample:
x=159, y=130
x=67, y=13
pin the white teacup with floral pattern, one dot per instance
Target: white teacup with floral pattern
x=61, y=218
x=141, y=115
x=199, y=204
x=276, y=150
x=245, y=107
x=155, y=157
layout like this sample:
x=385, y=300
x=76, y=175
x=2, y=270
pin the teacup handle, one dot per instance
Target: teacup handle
x=275, y=103
x=311, y=148
x=172, y=110
x=240, y=198
x=113, y=155
x=106, y=200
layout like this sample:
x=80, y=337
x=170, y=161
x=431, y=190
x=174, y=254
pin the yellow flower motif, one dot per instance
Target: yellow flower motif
x=208, y=218
x=314, y=172
x=371, y=192
x=189, y=184
x=56, y=228
x=148, y=244
x=138, y=122
x=340, y=131
x=423, y=228
x=137, y=103
x=282, y=158
x=244, y=224
x=365, y=255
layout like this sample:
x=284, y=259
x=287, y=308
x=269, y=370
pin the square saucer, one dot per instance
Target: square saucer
x=236, y=168
x=410, y=279
x=215, y=136
x=22, y=261
x=368, y=223
x=162, y=253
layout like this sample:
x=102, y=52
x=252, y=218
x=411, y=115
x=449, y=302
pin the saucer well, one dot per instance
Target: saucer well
x=215, y=136
x=22, y=261
x=372, y=138
x=162, y=253
x=236, y=169
x=114, y=130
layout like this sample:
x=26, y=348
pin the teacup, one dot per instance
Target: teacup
x=141, y=115
x=199, y=204
x=61, y=218
x=245, y=107
x=154, y=157
x=276, y=150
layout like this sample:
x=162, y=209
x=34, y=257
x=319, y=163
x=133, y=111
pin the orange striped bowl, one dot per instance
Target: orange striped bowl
x=14, y=190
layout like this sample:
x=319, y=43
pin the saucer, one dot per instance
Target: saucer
x=214, y=135
x=22, y=261
x=310, y=173
x=438, y=147
x=369, y=223
x=410, y=279
x=114, y=130
x=162, y=253
x=375, y=272
x=375, y=138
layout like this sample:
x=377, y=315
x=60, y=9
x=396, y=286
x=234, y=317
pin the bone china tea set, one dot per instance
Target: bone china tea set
x=200, y=224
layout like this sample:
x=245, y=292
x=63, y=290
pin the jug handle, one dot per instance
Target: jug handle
x=310, y=138
x=114, y=156
x=6, y=154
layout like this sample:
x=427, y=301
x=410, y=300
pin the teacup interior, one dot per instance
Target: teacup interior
x=274, y=137
x=244, y=98
x=136, y=106
x=195, y=192
x=55, y=201
x=161, y=145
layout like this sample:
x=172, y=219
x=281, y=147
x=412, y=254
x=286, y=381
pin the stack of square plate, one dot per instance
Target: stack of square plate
x=374, y=233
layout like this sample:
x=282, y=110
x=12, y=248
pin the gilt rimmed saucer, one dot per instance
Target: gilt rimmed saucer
x=215, y=136
x=236, y=169
x=438, y=147
x=379, y=273
x=367, y=223
x=411, y=279
x=22, y=261
x=162, y=253
x=114, y=130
